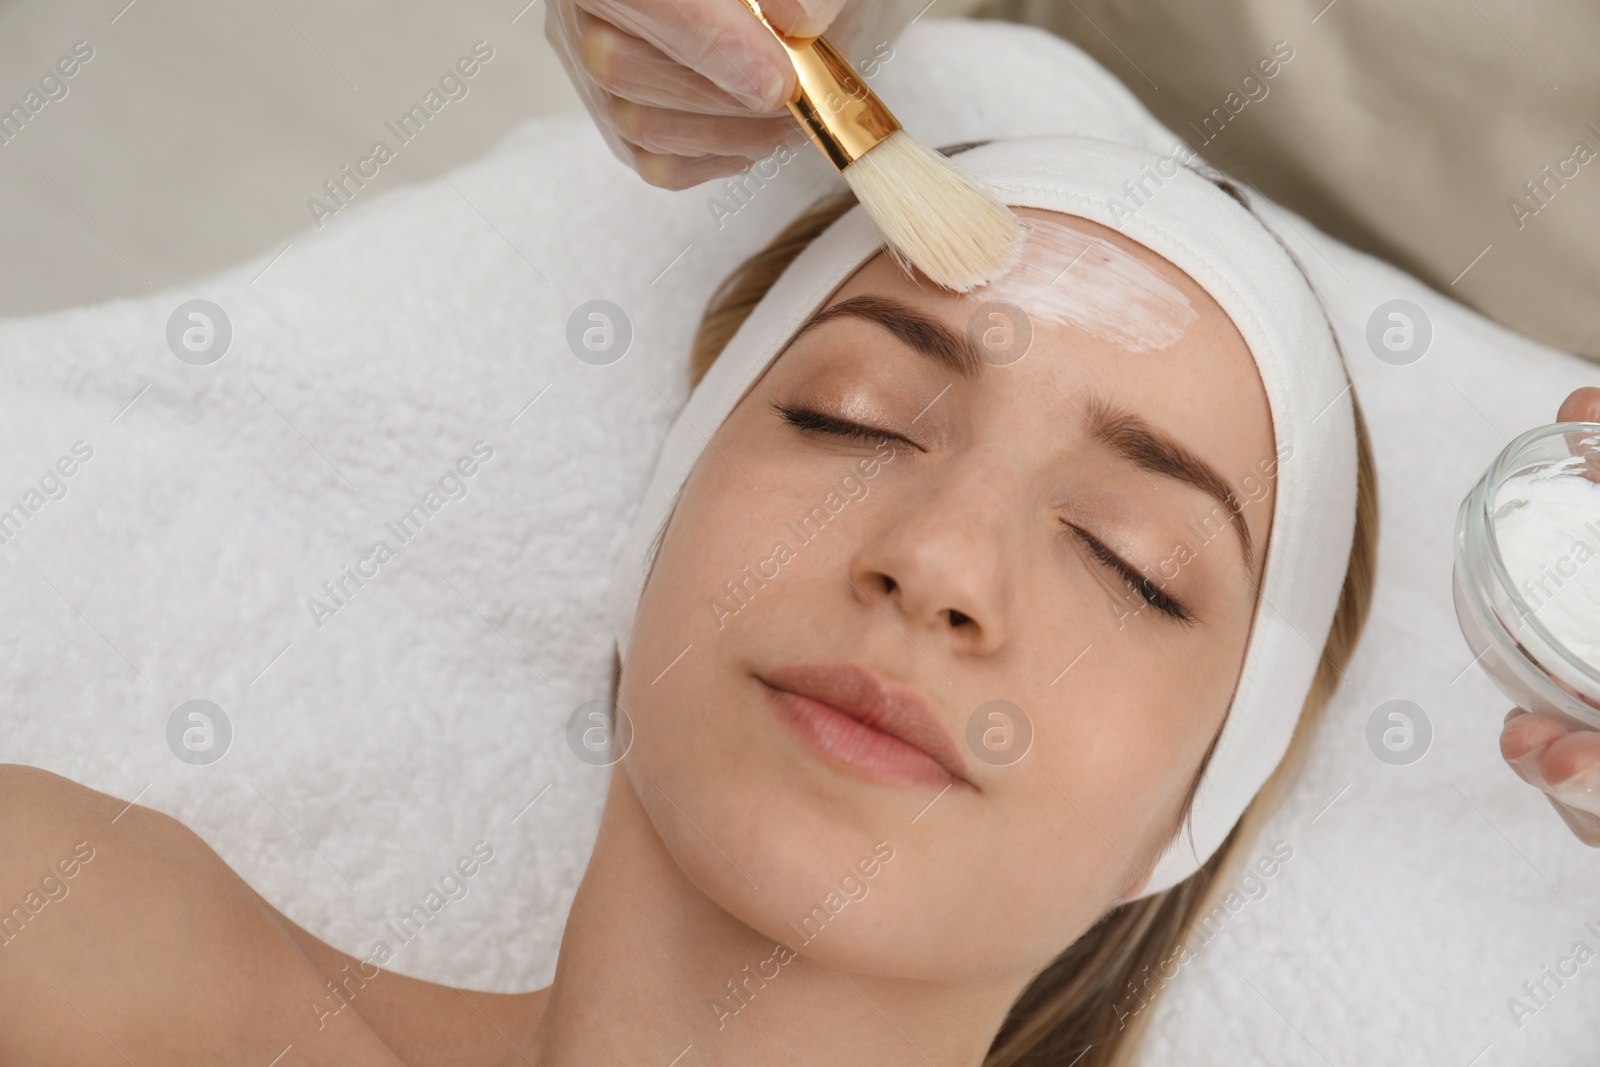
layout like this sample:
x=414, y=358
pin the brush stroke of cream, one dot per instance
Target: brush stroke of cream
x=1070, y=278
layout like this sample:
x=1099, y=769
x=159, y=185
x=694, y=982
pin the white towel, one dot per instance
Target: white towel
x=427, y=714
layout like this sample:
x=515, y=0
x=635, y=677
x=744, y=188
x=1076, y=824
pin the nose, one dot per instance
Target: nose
x=936, y=560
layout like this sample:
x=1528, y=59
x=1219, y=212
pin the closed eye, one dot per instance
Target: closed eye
x=1144, y=587
x=817, y=422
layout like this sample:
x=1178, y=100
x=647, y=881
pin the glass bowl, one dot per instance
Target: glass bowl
x=1498, y=610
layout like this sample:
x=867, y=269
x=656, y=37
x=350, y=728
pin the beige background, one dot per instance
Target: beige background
x=1401, y=128
x=199, y=129
x=197, y=132
x=195, y=135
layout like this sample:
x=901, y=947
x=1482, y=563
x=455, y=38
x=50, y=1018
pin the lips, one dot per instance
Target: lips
x=884, y=731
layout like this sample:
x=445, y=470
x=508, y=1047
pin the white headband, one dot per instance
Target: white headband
x=1208, y=235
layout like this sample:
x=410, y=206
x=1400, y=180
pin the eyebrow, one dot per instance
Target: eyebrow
x=949, y=348
x=1130, y=436
x=1151, y=450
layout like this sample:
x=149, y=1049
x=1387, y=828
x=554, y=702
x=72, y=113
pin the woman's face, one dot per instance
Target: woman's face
x=904, y=514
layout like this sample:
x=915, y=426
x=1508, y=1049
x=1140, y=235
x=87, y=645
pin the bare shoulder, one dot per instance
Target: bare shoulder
x=124, y=937
x=33, y=801
x=45, y=823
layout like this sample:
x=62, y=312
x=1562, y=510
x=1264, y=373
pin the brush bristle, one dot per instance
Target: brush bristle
x=934, y=215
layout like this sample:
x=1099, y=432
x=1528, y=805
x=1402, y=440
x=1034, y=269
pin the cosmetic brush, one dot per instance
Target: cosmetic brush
x=932, y=213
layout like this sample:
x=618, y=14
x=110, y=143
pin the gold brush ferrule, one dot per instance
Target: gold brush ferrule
x=843, y=117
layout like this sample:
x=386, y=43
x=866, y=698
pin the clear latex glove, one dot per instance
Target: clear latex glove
x=685, y=91
x=1545, y=752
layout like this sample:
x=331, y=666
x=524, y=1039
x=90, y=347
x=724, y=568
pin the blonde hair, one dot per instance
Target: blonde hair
x=1070, y=1014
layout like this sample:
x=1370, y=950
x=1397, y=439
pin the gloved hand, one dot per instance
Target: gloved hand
x=1545, y=752
x=685, y=91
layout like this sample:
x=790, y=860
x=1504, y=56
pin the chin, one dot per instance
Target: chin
x=805, y=835
x=823, y=886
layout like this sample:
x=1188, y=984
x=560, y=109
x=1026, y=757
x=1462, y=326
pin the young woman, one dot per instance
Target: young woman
x=949, y=620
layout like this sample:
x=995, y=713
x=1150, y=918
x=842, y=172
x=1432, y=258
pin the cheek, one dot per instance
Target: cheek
x=703, y=736
x=678, y=629
x=1118, y=736
x=1128, y=721
x=1011, y=877
x=678, y=764
x=720, y=564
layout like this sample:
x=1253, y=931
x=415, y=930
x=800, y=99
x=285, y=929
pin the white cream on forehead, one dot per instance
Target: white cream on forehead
x=1070, y=278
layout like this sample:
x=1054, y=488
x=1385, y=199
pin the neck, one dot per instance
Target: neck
x=653, y=971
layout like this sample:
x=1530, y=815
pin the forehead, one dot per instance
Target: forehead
x=1114, y=319
x=1068, y=274
x=1098, y=303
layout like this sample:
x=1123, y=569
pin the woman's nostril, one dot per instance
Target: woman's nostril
x=889, y=584
x=957, y=618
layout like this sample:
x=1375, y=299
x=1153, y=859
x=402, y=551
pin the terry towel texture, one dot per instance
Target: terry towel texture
x=426, y=714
